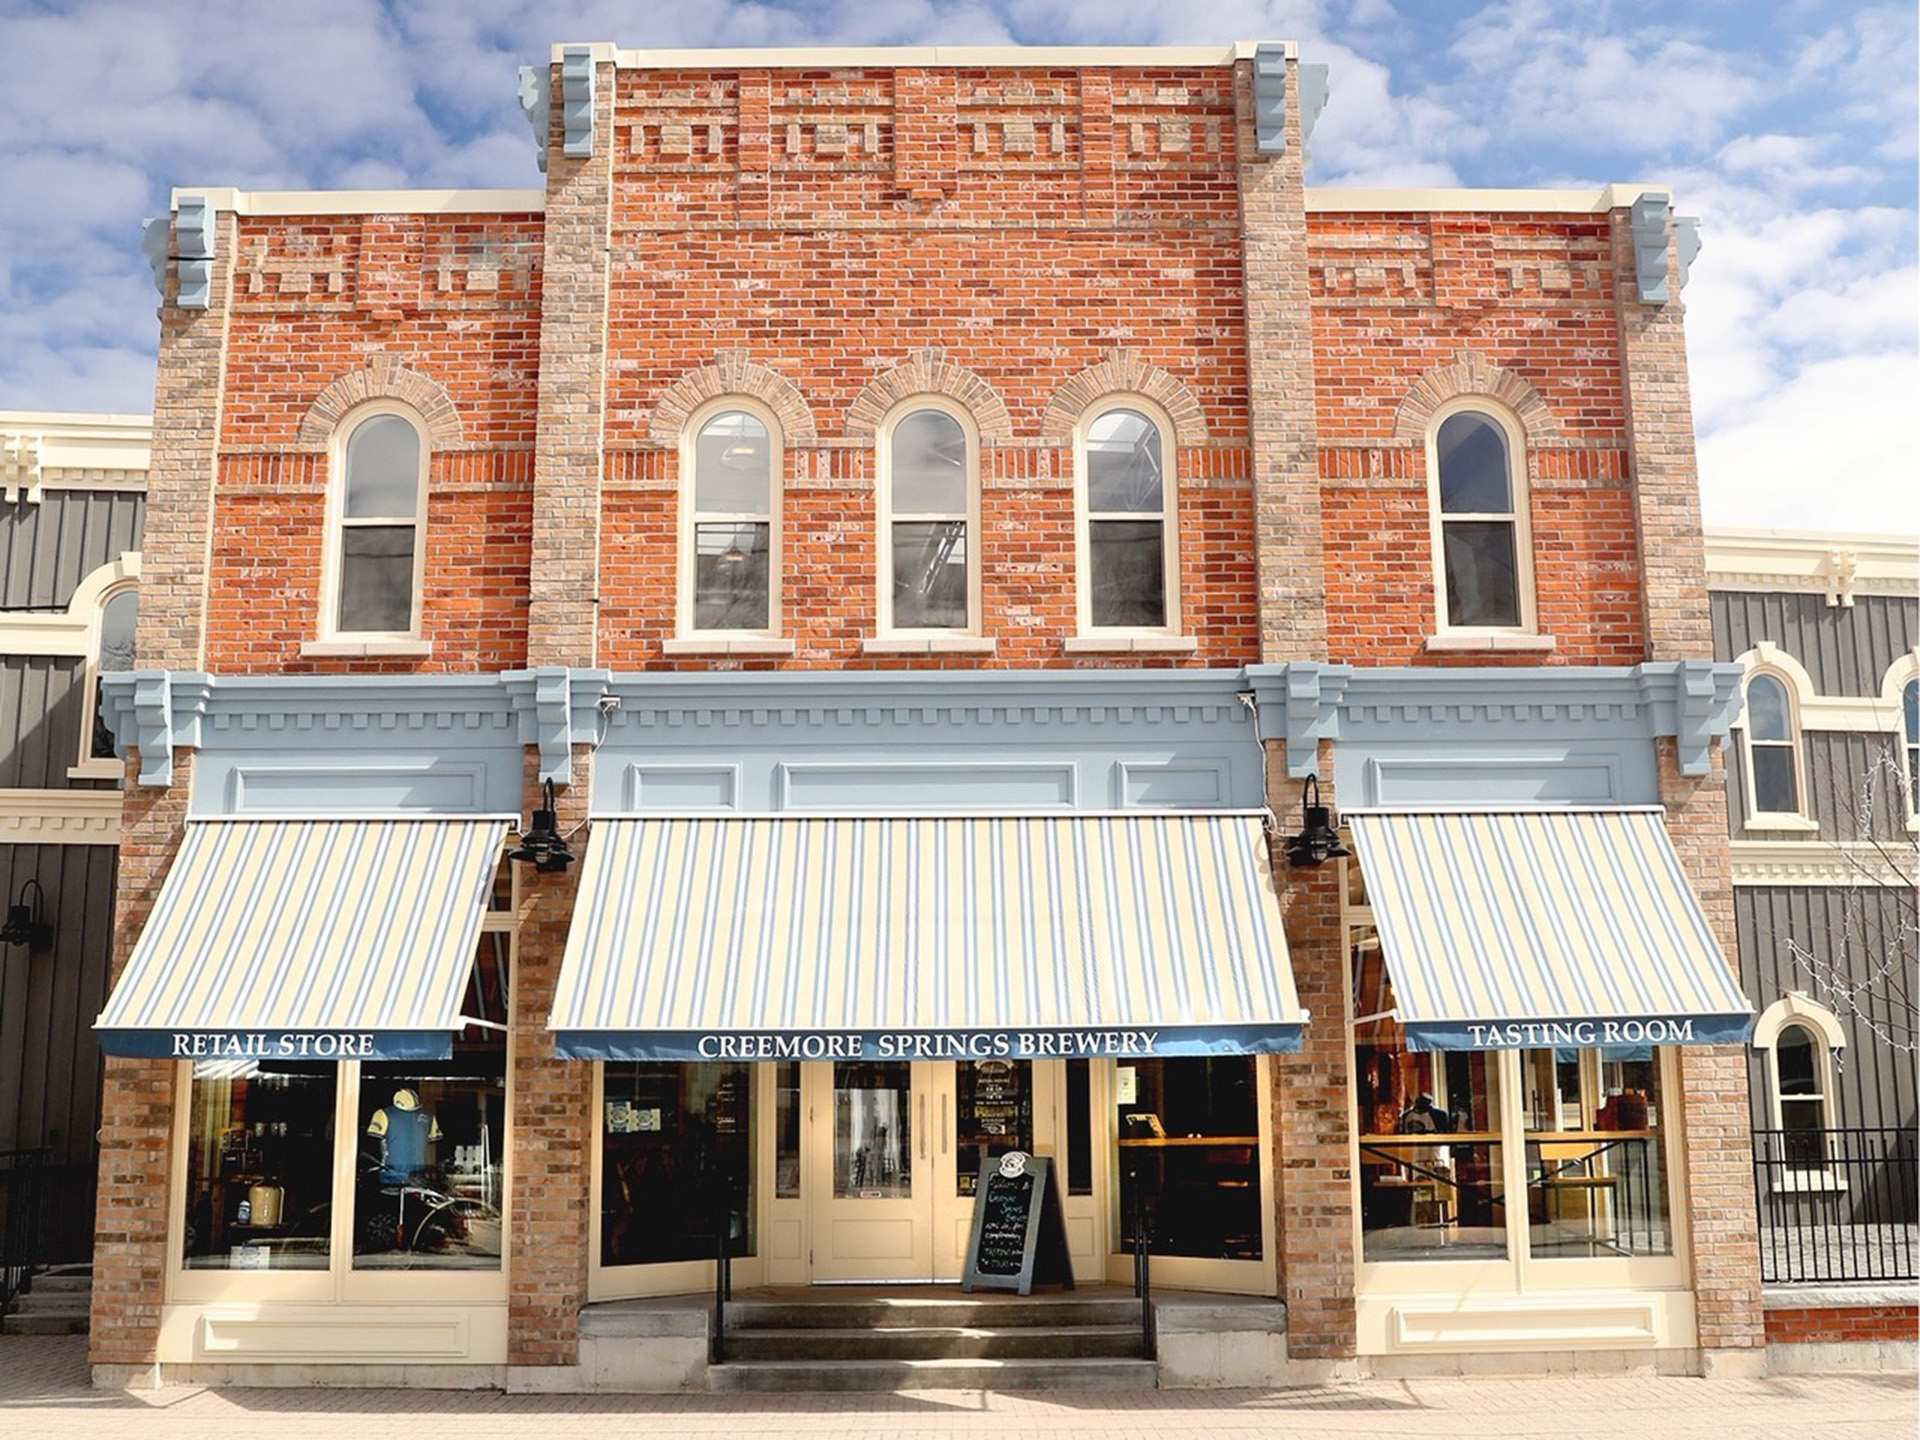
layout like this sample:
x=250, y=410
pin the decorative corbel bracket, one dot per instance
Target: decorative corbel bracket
x=157, y=710
x=20, y=470
x=536, y=103
x=1270, y=98
x=1298, y=703
x=1652, y=221
x=1314, y=88
x=156, y=232
x=194, y=229
x=1695, y=701
x=558, y=708
x=576, y=98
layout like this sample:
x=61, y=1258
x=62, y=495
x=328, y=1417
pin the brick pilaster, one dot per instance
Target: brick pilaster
x=188, y=392
x=552, y=1110
x=137, y=1101
x=1312, y=1108
x=569, y=439
x=1660, y=455
x=1280, y=382
x=1713, y=1080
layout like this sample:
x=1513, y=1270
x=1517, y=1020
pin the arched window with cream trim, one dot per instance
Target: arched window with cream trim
x=112, y=653
x=1910, y=733
x=729, y=527
x=1799, y=1038
x=1129, y=552
x=1482, y=540
x=377, y=556
x=1771, y=753
x=929, y=512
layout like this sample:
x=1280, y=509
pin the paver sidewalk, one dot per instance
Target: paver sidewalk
x=44, y=1393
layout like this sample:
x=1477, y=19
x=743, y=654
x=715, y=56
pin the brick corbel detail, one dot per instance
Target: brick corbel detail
x=1472, y=374
x=1124, y=372
x=384, y=378
x=732, y=373
x=929, y=372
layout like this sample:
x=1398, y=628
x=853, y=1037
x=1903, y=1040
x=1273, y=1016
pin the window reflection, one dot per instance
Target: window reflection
x=872, y=1130
x=676, y=1143
x=259, y=1167
x=1596, y=1177
x=1190, y=1154
x=994, y=1114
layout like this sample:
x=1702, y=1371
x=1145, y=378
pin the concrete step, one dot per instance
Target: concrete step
x=790, y=1376
x=937, y=1342
x=968, y=1311
x=60, y=1282
x=44, y=1322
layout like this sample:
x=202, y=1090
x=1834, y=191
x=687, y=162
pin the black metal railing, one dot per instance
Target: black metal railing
x=1140, y=1240
x=21, y=1173
x=724, y=1237
x=1836, y=1206
x=1598, y=1197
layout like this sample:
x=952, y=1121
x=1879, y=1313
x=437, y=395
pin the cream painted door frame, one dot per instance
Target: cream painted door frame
x=872, y=1207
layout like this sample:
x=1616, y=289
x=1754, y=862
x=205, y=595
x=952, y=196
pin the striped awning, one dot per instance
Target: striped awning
x=939, y=938
x=305, y=939
x=1510, y=928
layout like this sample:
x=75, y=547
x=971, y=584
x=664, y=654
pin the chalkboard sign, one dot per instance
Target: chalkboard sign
x=1019, y=1230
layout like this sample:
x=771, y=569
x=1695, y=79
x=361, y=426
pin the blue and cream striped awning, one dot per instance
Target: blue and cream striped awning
x=939, y=938
x=304, y=939
x=1510, y=928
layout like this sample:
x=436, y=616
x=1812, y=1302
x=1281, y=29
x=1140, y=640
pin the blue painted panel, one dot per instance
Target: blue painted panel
x=930, y=786
x=682, y=787
x=349, y=785
x=1188, y=783
x=1464, y=772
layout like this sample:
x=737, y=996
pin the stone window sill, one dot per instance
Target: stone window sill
x=929, y=645
x=728, y=645
x=1131, y=644
x=1783, y=822
x=367, y=649
x=1506, y=642
x=97, y=770
x=1807, y=1182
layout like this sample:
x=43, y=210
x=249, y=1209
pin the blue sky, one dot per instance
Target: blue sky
x=1789, y=128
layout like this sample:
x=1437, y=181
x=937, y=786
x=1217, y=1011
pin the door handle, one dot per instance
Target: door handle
x=923, y=1127
x=943, y=1124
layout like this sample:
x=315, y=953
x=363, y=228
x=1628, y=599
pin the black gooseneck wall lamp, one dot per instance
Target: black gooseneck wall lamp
x=25, y=923
x=541, y=843
x=1318, y=840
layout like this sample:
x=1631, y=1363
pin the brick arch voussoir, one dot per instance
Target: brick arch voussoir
x=1124, y=372
x=732, y=373
x=929, y=372
x=1474, y=375
x=384, y=378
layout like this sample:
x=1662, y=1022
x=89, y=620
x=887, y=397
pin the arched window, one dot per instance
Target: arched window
x=1129, y=566
x=1482, y=546
x=731, y=544
x=113, y=652
x=929, y=514
x=380, y=509
x=1910, y=720
x=1772, y=750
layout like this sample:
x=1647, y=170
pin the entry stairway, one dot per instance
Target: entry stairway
x=56, y=1305
x=932, y=1339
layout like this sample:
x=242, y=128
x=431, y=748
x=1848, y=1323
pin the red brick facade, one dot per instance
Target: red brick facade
x=1845, y=1325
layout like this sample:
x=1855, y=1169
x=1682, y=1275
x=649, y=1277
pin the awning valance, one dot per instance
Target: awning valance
x=926, y=938
x=308, y=939
x=1510, y=928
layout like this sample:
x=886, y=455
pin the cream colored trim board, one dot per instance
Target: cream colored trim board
x=1327, y=199
x=70, y=631
x=919, y=56
x=59, y=817
x=1823, y=862
x=364, y=202
x=1836, y=564
x=1877, y=714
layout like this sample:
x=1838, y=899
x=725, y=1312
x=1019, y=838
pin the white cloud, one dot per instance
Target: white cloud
x=1832, y=449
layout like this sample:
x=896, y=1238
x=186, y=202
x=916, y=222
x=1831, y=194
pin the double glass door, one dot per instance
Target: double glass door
x=895, y=1156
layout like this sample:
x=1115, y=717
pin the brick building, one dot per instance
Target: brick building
x=910, y=524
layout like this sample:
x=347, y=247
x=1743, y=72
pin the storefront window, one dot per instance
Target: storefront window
x=675, y=1160
x=1079, y=1127
x=1190, y=1155
x=786, y=1133
x=872, y=1130
x=1431, y=1183
x=1596, y=1181
x=994, y=1114
x=259, y=1167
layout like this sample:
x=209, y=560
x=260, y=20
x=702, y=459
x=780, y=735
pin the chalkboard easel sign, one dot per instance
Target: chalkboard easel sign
x=1019, y=1230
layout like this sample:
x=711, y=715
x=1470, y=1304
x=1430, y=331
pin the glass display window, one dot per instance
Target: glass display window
x=994, y=1110
x=1189, y=1156
x=676, y=1156
x=259, y=1173
x=1595, y=1154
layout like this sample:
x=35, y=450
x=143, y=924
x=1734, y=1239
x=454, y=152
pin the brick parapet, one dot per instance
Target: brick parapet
x=137, y=1100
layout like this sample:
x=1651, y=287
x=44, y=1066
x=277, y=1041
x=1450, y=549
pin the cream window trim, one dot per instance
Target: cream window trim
x=1903, y=672
x=885, y=517
x=329, y=632
x=1169, y=516
x=686, y=634
x=1795, y=1011
x=76, y=629
x=1469, y=639
x=1756, y=818
x=1520, y=493
x=366, y=649
x=1124, y=642
x=61, y=817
